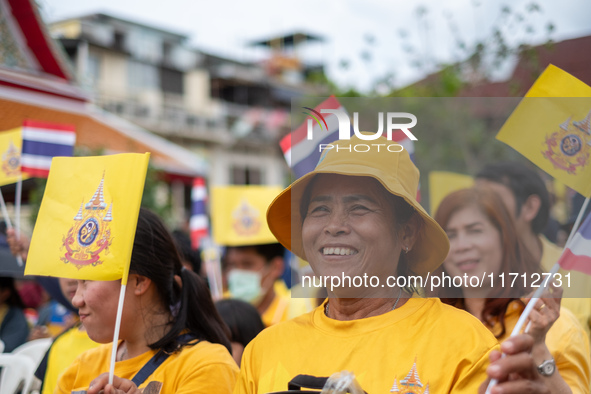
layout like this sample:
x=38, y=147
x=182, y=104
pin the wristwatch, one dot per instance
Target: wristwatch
x=547, y=367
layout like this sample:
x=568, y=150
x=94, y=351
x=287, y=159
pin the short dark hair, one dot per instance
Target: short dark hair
x=523, y=182
x=268, y=251
x=242, y=318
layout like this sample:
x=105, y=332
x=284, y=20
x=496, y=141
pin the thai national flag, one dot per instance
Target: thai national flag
x=199, y=223
x=577, y=254
x=302, y=154
x=41, y=142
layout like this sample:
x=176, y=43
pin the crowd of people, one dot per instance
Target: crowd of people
x=353, y=216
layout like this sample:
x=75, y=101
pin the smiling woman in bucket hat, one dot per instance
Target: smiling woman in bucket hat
x=357, y=214
x=393, y=170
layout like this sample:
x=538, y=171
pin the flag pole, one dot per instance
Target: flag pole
x=19, y=259
x=116, y=334
x=17, y=207
x=211, y=260
x=532, y=302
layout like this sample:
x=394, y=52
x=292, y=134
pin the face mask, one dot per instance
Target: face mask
x=245, y=285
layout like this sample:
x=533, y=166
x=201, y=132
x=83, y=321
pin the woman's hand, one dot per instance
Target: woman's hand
x=516, y=373
x=544, y=314
x=119, y=386
x=39, y=332
x=20, y=246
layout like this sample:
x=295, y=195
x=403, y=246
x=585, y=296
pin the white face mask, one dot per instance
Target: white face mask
x=245, y=285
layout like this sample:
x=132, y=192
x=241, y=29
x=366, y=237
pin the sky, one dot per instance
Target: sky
x=364, y=40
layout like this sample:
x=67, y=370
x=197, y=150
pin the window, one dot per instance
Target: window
x=94, y=68
x=142, y=76
x=171, y=81
x=119, y=41
x=246, y=176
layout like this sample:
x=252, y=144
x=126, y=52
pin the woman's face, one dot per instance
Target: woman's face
x=68, y=287
x=97, y=306
x=349, y=228
x=475, y=244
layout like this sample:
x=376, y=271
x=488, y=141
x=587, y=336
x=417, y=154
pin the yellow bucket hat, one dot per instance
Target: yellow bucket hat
x=394, y=170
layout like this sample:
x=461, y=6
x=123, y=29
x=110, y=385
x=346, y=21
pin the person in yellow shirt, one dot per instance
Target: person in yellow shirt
x=484, y=242
x=254, y=275
x=172, y=339
x=356, y=215
x=66, y=346
x=63, y=351
x=525, y=195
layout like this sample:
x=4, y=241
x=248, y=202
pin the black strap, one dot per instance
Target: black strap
x=156, y=361
x=149, y=368
x=307, y=382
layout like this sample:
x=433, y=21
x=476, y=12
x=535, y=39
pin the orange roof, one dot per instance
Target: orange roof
x=99, y=130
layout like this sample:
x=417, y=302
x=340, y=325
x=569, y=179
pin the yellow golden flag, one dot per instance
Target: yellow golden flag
x=11, y=142
x=238, y=214
x=441, y=183
x=88, y=216
x=551, y=126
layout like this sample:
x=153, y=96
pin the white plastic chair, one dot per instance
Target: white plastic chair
x=16, y=369
x=34, y=350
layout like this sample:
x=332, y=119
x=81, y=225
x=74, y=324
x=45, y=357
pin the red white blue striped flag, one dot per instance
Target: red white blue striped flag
x=302, y=154
x=577, y=254
x=199, y=222
x=41, y=142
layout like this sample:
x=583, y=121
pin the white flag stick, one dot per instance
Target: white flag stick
x=17, y=207
x=211, y=259
x=19, y=259
x=532, y=302
x=5, y=211
x=116, y=334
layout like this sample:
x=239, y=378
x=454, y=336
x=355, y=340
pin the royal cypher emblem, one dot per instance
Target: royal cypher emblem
x=90, y=235
x=569, y=148
x=11, y=161
x=246, y=219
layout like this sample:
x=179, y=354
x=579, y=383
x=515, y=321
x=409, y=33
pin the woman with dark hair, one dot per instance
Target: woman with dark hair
x=14, y=329
x=244, y=322
x=172, y=339
x=485, y=242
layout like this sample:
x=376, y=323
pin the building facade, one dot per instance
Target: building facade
x=230, y=113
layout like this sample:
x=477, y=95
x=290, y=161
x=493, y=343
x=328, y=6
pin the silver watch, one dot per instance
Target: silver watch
x=547, y=367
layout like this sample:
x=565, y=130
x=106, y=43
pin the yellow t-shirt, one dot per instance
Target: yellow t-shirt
x=422, y=343
x=567, y=342
x=201, y=368
x=62, y=353
x=580, y=285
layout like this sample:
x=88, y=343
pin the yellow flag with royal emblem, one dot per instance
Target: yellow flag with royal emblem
x=551, y=126
x=88, y=217
x=11, y=142
x=238, y=214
